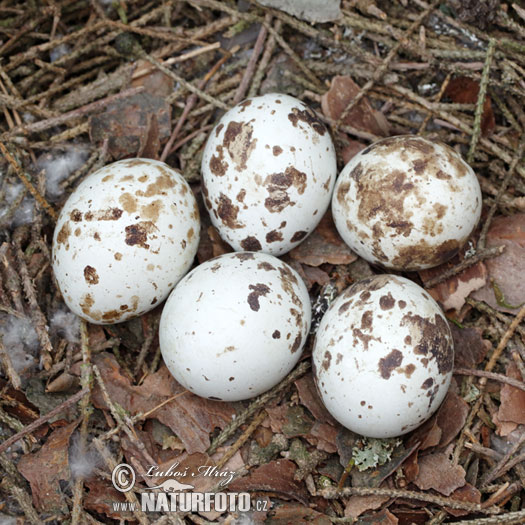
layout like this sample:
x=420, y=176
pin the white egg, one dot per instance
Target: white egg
x=383, y=357
x=406, y=203
x=268, y=172
x=235, y=326
x=124, y=238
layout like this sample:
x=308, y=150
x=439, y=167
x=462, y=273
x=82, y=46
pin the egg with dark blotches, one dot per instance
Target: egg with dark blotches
x=124, y=238
x=268, y=172
x=406, y=203
x=383, y=357
x=235, y=326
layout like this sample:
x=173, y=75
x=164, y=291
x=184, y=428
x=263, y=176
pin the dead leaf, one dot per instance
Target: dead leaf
x=45, y=468
x=362, y=116
x=276, y=476
x=323, y=245
x=385, y=517
x=310, y=399
x=465, y=90
x=356, y=505
x=314, y=275
x=323, y=436
x=469, y=347
x=125, y=123
x=295, y=513
x=190, y=417
x=100, y=498
x=451, y=417
x=437, y=472
x=151, y=79
x=507, y=269
x=451, y=294
x=352, y=148
x=466, y=493
x=512, y=400
x=150, y=141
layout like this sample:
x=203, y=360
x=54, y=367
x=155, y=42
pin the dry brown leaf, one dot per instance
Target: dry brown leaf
x=464, y=90
x=151, y=79
x=362, y=116
x=356, y=505
x=466, y=493
x=314, y=275
x=352, y=148
x=311, y=400
x=295, y=513
x=469, y=347
x=100, y=498
x=512, y=400
x=276, y=476
x=507, y=269
x=451, y=417
x=190, y=417
x=437, y=472
x=47, y=467
x=323, y=245
x=125, y=123
x=323, y=436
x=385, y=517
x=451, y=294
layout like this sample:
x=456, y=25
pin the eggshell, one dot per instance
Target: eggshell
x=406, y=203
x=383, y=357
x=235, y=326
x=268, y=172
x=124, y=238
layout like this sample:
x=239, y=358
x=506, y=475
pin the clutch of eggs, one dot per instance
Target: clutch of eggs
x=124, y=238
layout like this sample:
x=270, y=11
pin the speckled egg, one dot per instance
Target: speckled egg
x=383, y=357
x=268, y=172
x=235, y=326
x=124, y=238
x=406, y=203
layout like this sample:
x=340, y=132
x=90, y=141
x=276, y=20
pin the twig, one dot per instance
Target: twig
x=491, y=375
x=333, y=493
x=10, y=371
x=497, y=470
x=511, y=518
x=259, y=402
x=23, y=177
x=464, y=264
x=37, y=316
x=505, y=339
x=252, y=427
x=86, y=381
x=250, y=68
x=480, y=104
x=41, y=420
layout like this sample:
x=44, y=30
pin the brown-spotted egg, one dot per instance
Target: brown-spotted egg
x=235, y=326
x=268, y=172
x=406, y=203
x=383, y=357
x=124, y=238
